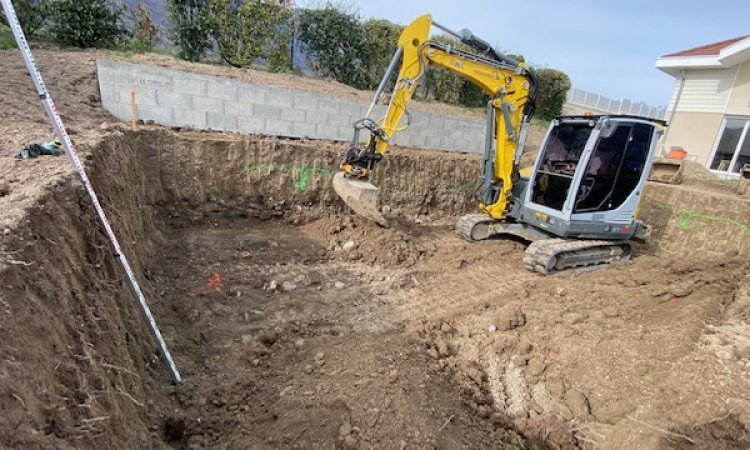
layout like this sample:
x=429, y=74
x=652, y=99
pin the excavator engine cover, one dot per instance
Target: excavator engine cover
x=360, y=196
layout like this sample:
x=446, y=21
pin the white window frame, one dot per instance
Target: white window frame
x=735, y=154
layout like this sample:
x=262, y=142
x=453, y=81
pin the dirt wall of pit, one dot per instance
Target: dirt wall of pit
x=689, y=221
x=247, y=174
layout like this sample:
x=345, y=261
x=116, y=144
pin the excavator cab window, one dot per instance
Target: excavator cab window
x=560, y=157
x=614, y=168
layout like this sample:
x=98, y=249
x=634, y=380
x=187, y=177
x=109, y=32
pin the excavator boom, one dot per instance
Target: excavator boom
x=509, y=83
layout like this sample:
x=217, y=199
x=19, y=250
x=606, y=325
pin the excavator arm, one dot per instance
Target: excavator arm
x=510, y=84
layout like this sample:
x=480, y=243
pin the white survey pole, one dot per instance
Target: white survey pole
x=62, y=135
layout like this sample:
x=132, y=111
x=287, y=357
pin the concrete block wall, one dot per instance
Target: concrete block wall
x=175, y=98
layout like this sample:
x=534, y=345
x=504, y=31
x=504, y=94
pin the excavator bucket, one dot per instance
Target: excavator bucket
x=360, y=196
x=667, y=170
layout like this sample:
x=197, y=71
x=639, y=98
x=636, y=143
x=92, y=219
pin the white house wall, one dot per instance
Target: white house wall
x=705, y=91
x=739, y=101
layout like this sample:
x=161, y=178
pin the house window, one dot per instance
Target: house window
x=733, y=149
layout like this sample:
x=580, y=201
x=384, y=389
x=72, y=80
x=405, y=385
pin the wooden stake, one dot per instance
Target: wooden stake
x=133, y=111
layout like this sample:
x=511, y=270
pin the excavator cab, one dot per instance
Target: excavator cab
x=589, y=176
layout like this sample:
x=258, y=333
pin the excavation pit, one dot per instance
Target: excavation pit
x=296, y=325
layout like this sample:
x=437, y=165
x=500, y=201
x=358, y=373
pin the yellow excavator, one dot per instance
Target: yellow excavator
x=577, y=205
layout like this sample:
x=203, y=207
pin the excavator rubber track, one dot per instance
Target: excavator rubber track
x=469, y=225
x=553, y=256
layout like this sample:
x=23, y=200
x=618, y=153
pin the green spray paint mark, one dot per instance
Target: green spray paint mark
x=687, y=215
x=687, y=218
x=302, y=172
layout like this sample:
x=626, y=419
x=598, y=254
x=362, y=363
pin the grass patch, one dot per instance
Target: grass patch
x=539, y=122
x=7, y=41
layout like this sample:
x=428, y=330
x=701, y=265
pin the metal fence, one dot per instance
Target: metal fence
x=587, y=99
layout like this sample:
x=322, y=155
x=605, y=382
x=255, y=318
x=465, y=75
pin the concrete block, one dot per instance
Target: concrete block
x=280, y=97
x=125, y=77
x=221, y=122
x=174, y=100
x=279, y=127
x=328, y=106
x=267, y=111
x=296, y=115
x=401, y=139
x=306, y=101
x=159, y=114
x=249, y=93
x=432, y=142
x=208, y=104
x=446, y=143
x=189, y=85
x=154, y=79
x=120, y=110
x=417, y=141
x=108, y=94
x=437, y=123
x=143, y=96
x=105, y=75
x=350, y=108
x=326, y=131
x=249, y=124
x=222, y=90
x=194, y=119
x=303, y=129
x=239, y=108
x=347, y=133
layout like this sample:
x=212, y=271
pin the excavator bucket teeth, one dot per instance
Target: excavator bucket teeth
x=667, y=170
x=360, y=196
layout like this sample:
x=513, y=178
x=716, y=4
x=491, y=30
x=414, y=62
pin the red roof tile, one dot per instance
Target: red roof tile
x=709, y=49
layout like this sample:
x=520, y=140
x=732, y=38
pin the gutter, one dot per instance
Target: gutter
x=662, y=152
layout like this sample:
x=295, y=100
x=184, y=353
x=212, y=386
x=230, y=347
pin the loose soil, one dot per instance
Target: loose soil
x=296, y=325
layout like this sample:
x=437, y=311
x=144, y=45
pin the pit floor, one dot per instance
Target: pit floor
x=299, y=337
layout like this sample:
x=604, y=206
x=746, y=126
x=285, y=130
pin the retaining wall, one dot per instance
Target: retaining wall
x=204, y=102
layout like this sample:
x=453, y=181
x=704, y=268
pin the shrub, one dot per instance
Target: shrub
x=32, y=14
x=553, y=88
x=191, y=25
x=338, y=44
x=86, y=23
x=245, y=30
x=382, y=36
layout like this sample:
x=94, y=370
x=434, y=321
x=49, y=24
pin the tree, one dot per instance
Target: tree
x=382, y=37
x=145, y=31
x=86, y=23
x=32, y=14
x=191, y=24
x=553, y=89
x=338, y=44
x=245, y=30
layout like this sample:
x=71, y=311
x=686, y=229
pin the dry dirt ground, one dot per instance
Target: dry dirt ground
x=314, y=329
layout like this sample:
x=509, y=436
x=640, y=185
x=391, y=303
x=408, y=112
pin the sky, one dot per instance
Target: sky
x=607, y=47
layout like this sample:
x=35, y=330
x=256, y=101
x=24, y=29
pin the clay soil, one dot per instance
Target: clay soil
x=298, y=326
